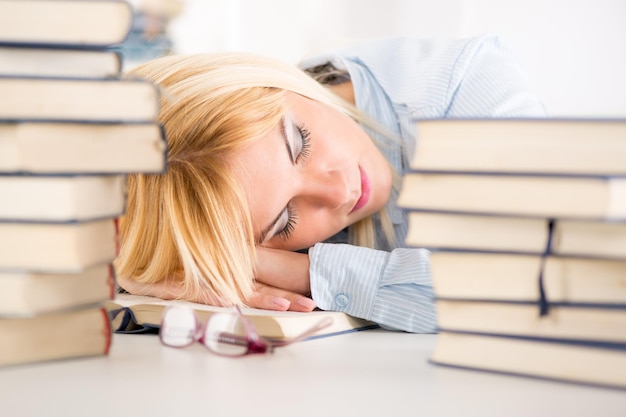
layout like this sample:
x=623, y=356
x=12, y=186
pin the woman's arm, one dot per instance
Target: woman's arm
x=392, y=289
x=489, y=80
x=283, y=269
x=264, y=296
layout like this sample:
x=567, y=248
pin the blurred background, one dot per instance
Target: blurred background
x=574, y=51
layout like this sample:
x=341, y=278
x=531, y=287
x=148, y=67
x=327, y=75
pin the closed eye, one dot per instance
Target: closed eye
x=305, y=143
x=297, y=138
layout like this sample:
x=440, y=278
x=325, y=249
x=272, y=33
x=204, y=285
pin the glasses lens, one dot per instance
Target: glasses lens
x=226, y=334
x=178, y=327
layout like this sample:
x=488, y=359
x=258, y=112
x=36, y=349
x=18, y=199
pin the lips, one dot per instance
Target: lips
x=365, y=191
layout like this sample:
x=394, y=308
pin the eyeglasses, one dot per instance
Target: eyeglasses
x=227, y=334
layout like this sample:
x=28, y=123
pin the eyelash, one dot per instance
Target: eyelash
x=292, y=218
x=306, y=142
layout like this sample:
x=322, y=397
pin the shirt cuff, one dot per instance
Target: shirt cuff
x=393, y=289
x=346, y=277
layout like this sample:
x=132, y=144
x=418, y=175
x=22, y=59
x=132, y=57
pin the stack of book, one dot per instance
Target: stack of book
x=71, y=128
x=526, y=221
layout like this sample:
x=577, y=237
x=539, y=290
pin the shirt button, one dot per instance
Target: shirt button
x=341, y=300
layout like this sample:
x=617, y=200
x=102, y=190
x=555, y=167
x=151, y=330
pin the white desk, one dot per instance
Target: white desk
x=372, y=373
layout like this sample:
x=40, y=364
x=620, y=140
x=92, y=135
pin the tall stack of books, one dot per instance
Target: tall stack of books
x=526, y=220
x=71, y=128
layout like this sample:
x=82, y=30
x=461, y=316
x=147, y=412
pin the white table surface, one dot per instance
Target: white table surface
x=371, y=373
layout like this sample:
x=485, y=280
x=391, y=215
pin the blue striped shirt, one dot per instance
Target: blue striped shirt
x=397, y=82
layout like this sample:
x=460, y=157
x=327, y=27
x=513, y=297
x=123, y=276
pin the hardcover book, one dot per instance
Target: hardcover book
x=61, y=198
x=538, y=146
x=78, y=99
x=57, y=247
x=588, y=198
x=62, y=335
x=86, y=24
x=63, y=63
x=453, y=231
x=582, y=363
x=39, y=147
x=26, y=293
x=564, y=321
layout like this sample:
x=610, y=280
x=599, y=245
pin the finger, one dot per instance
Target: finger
x=268, y=302
x=298, y=302
x=272, y=298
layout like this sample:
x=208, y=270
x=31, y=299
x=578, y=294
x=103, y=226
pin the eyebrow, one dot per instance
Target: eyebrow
x=283, y=134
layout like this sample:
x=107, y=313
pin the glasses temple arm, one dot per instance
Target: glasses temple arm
x=325, y=322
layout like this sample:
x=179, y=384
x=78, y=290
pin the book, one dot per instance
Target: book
x=57, y=62
x=62, y=335
x=514, y=277
x=81, y=148
x=588, y=238
x=564, y=321
x=588, y=198
x=26, y=293
x=546, y=146
x=133, y=314
x=95, y=23
x=452, y=231
x=57, y=247
x=589, y=364
x=78, y=99
x=61, y=198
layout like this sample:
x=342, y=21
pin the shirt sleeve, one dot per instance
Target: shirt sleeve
x=393, y=289
x=480, y=76
x=488, y=80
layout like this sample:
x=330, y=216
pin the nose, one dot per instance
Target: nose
x=326, y=187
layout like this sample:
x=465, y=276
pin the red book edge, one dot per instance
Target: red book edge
x=108, y=331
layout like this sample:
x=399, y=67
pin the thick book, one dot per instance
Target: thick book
x=515, y=277
x=589, y=198
x=452, y=231
x=547, y=146
x=81, y=148
x=80, y=24
x=136, y=314
x=62, y=335
x=57, y=247
x=57, y=62
x=61, y=198
x=24, y=293
x=583, y=363
x=564, y=321
x=78, y=99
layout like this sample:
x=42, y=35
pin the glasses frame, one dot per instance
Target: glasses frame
x=255, y=342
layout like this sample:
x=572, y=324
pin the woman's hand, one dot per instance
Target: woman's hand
x=272, y=298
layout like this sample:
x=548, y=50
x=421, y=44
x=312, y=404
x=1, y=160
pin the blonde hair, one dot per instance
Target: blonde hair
x=190, y=226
